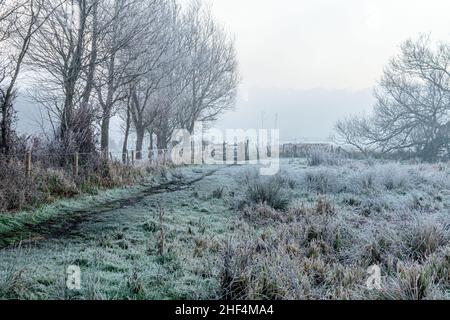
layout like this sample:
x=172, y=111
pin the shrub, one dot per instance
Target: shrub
x=135, y=283
x=395, y=176
x=262, y=214
x=280, y=264
x=234, y=283
x=218, y=193
x=51, y=180
x=411, y=282
x=266, y=190
x=16, y=191
x=13, y=283
x=425, y=238
x=320, y=180
x=321, y=156
x=57, y=184
x=324, y=207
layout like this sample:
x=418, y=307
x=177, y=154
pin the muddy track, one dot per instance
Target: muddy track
x=67, y=221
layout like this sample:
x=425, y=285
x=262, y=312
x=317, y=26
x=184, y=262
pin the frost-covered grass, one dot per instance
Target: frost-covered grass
x=341, y=221
x=227, y=236
x=16, y=226
x=118, y=251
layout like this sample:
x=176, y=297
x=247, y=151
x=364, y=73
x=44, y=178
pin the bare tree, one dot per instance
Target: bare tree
x=157, y=63
x=126, y=27
x=64, y=57
x=164, y=67
x=358, y=132
x=167, y=104
x=210, y=68
x=200, y=77
x=8, y=8
x=19, y=22
x=412, y=112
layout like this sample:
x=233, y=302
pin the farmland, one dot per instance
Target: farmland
x=208, y=232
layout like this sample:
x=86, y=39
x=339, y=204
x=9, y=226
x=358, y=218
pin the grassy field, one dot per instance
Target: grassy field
x=310, y=232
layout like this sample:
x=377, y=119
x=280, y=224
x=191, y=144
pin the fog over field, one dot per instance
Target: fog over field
x=303, y=115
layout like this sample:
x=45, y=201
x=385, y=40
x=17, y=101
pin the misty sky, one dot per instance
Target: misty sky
x=336, y=47
x=313, y=62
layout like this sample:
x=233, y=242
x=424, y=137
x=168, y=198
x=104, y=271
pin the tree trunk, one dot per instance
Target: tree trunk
x=107, y=108
x=162, y=141
x=150, y=148
x=73, y=71
x=105, y=134
x=8, y=95
x=92, y=60
x=151, y=140
x=5, y=130
x=140, y=132
x=127, y=134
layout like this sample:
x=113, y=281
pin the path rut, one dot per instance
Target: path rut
x=68, y=221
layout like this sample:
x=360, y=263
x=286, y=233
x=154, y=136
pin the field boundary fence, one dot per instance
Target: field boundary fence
x=77, y=162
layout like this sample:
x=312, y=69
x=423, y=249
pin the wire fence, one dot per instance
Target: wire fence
x=77, y=163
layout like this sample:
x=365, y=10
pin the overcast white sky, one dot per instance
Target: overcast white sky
x=312, y=62
x=309, y=63
x=325, y=43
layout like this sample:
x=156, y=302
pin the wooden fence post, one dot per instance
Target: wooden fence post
x=247, y=151
x=132, y=157
x=28, y=164
x=192, y=153
x=203, y=152
x=224, y=152
x=75, y=164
